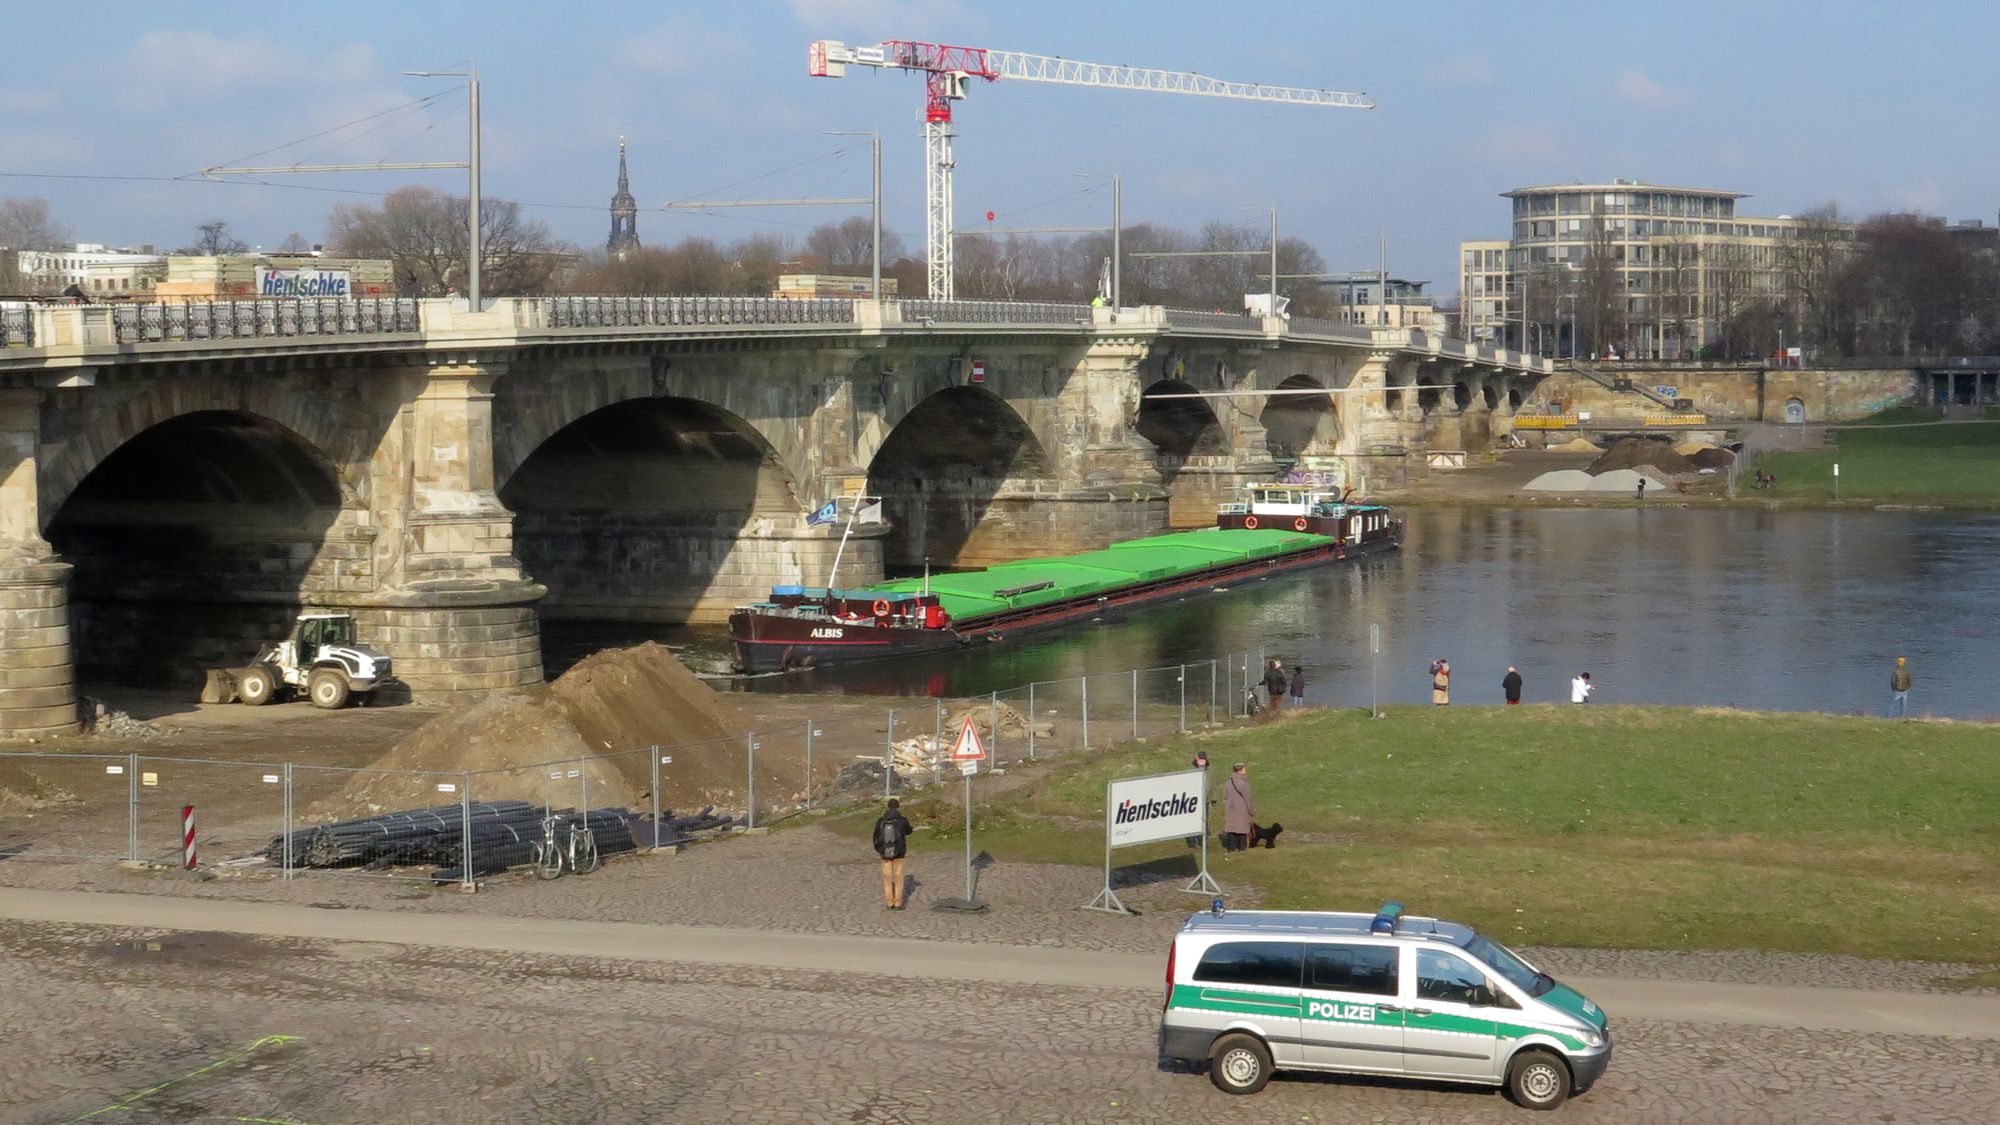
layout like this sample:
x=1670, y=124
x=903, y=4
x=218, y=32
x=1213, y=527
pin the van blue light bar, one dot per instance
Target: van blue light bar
x=1385, y=918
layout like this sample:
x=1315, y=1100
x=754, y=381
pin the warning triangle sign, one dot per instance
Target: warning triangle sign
x=968, y=748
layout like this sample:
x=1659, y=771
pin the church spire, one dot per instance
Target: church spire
x=624, y=212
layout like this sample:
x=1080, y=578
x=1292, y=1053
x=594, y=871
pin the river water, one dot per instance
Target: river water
x=1802, y=610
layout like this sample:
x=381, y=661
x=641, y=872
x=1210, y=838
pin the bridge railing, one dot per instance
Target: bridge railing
x=17, y=327
x=236, y=320
x=1194, y=318
x=1332, y=329
x=648, y=312
x=992, y=312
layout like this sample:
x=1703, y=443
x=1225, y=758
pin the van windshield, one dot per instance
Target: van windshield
x=1505, y=962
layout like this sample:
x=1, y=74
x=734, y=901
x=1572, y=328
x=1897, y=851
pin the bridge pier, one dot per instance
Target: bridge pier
x=37, y=675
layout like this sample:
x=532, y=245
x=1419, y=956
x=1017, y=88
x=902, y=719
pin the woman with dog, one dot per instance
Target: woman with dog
x=1237, y=810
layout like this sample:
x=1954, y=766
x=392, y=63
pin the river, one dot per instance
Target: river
x=1775, y=610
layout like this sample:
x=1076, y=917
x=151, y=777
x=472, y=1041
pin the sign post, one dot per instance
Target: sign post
x=1144, y=810
x=968, y=752
x=1374, y=652
x=1836, y=482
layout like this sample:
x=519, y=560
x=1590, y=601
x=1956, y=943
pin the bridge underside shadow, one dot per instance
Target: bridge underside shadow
x=665, y=510
x=959, y=479
x=197, y=541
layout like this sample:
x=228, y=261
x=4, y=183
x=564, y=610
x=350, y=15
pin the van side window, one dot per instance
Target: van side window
x=1273, y=964
x=1352, y=968
x=1441, y=976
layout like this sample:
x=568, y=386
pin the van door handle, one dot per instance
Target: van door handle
x=1420, y=1011
x=1387, y=1008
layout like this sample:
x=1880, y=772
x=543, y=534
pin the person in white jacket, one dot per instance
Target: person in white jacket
x=1580, y=688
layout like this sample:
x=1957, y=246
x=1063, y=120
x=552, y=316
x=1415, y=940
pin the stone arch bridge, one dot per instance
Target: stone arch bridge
x=178, y=481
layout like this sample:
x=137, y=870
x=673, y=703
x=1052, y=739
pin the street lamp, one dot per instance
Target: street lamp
x=1117, y=229
x=875, y=195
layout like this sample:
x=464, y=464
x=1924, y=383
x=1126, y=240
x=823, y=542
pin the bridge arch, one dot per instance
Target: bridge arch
x=199, y=538
x=1298, y=424
x=954, y=474
x=661, y=508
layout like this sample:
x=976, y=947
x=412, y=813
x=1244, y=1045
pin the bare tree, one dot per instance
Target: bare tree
x=26, y=223
x=1811, y=258
x=422, y=233
x=847, y=247
x=1730, y=282
x=212, y=240
x=295, y=243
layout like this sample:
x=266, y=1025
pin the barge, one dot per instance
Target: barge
x=1275, y=530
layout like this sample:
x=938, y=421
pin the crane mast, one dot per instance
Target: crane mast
x=949, y=71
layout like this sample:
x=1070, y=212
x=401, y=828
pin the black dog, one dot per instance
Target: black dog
x=1265, y=836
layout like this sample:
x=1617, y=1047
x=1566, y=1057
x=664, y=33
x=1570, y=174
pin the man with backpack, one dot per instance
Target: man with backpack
x=892, y=843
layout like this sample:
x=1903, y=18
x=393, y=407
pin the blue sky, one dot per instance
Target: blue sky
x=1875, y=107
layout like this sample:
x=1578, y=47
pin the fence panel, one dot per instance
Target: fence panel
x=65, y=806
x=382, y=824
x=239, y=808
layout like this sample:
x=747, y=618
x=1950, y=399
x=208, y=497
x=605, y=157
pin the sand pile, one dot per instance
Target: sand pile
x=600, y=711
x=1642, y=453
x=1691, y=447
x=1577, y=445
x=1712, y=458
x=1576, y=480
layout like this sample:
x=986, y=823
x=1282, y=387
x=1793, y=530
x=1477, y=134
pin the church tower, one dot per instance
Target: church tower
x=624, y=212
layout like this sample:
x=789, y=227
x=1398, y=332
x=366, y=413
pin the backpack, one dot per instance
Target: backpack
x=889, y=837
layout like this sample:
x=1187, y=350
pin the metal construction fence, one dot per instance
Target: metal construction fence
x=17, y=326
x=443, y=826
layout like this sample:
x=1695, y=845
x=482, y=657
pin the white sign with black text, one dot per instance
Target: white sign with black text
x=1168, y=806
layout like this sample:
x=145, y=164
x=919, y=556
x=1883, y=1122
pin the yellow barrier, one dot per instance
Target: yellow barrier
x=1677, y=419
x=1543, y=421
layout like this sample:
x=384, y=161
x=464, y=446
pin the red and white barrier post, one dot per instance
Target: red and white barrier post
x=187, y=837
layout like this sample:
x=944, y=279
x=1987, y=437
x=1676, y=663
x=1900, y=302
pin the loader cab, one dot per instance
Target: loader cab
x=320, y=630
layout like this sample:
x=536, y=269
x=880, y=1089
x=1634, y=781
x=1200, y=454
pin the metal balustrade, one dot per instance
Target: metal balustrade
x=1193, y=318
x=237, y=320
x=993, y=312
x=17, y=327
x=648, y=312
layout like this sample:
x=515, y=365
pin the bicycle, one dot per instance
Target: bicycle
x=553, y=855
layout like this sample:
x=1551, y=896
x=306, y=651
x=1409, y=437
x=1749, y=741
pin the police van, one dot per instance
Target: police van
x=1255, y=991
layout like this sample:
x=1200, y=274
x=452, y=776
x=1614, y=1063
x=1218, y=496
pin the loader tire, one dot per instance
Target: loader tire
x=327, y=687
x=257, y=685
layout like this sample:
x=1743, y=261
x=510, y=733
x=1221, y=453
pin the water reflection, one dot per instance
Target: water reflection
x=1747, y=608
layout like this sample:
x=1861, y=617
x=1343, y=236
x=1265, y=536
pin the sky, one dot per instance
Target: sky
x=1872, y=106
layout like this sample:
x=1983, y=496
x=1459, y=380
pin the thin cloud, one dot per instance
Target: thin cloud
x=1924, y=199
x=1509, y=145
x=1635, y=87
x=884, y=19
x=155, y=72
x=1462, y=70
x=677, y=46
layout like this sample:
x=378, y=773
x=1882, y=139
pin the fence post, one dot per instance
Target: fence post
x=1135, y=704
x=654, y=754
x=285, y=858
x=889, y=757
x=1211, y=691
x=1031, y=720
x=750, y=776
x=1183, y=683
x=1085, y=681
x=809, y=765
x=132, y=807
x=465, y=828
x=993, y=730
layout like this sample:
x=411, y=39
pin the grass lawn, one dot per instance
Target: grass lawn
x=1886, y=459
x=1610, y=827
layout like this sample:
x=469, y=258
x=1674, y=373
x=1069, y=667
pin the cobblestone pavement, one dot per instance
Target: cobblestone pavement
x=811, y=879
x=412, y=1033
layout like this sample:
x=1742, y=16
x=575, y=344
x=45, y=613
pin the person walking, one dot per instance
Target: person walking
x=1275, y=684
x=1642, y=488
x=1441, y=682
x=1298, y=685
x=1237, y=810
x=892, y=843
x=1511, y=684
x=1580, y=688
x=1899, y=688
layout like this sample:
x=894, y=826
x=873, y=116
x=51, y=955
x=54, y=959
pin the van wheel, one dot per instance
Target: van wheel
x=1239, y=1064
x=1538, y=1079
x=328, y=688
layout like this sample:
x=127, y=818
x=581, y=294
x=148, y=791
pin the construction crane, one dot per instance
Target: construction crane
x=949, y=72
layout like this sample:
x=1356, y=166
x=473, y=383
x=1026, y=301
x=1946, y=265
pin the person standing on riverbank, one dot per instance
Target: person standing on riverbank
x=1441, y=682
x=1580, y=688
x=1511, y=684
x=1275, y=684
x=1899, y=688
x=1238, y=813
x=1298, y=685
x=892, y=843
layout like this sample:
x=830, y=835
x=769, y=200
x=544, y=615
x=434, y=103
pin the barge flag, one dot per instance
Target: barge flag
x=825, y=514
x=870, y=512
